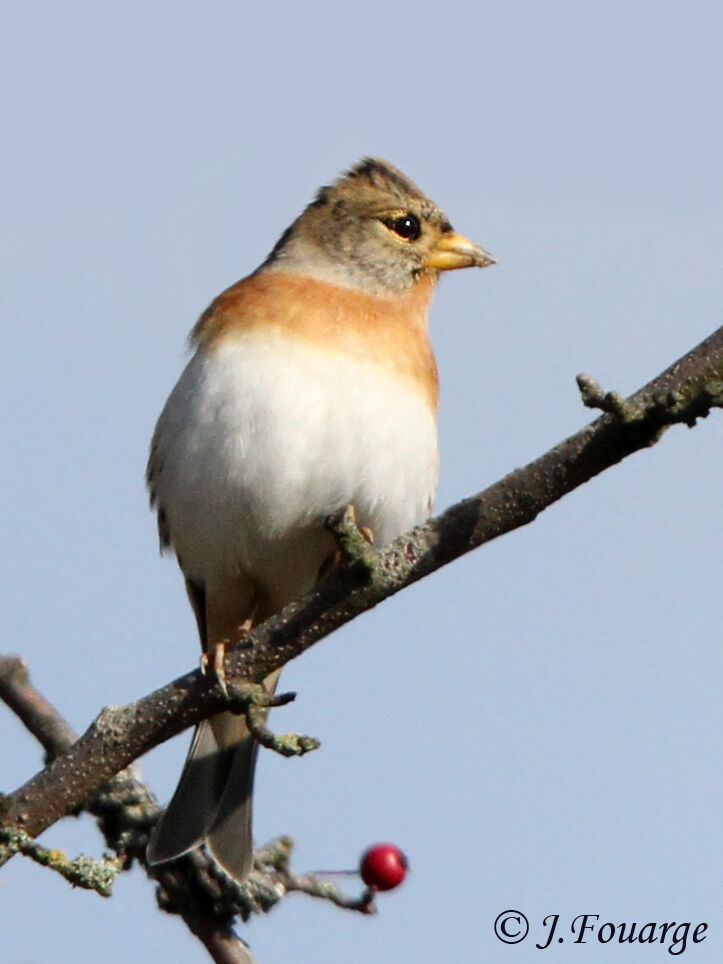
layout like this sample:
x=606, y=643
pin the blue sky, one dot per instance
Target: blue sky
x=539, y=725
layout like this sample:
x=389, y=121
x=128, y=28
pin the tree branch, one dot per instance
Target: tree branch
x=124, y=803
x=124, y=807
x=39, y=716
x=686, y=391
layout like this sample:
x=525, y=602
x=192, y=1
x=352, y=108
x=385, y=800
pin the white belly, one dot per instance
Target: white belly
x=265, y=435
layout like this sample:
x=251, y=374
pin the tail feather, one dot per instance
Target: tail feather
x=229, y=839
x=212, y=803
x=214, y=793
x=211, y=807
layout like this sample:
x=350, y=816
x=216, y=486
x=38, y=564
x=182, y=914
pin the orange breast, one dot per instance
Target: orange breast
x=390, y=330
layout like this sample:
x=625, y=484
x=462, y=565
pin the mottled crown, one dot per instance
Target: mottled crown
x=341, y=234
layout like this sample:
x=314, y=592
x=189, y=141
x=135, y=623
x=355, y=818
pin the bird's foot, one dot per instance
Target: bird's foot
x=354, y=544
x=212, y=664
x=213, y=661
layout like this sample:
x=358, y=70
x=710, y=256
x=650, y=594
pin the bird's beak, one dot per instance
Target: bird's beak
x=454, y=251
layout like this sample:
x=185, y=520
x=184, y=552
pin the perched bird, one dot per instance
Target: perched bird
x=313, y=386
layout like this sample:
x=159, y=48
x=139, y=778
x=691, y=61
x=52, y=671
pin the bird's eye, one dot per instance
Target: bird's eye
x=405, y=226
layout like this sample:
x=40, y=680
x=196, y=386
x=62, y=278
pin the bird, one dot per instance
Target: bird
x=312, y=387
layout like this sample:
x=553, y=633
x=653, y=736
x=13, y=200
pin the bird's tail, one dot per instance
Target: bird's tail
x=212, y=803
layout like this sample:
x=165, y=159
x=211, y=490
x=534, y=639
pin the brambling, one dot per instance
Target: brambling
x=313, y=386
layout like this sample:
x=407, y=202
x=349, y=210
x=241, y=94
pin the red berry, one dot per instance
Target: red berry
x=383, y=866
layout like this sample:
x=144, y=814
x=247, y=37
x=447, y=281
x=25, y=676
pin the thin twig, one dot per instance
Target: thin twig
x=253, y=700
x=82, y=871
x=274, y=861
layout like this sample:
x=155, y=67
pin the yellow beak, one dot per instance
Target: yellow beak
x=454, y=251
